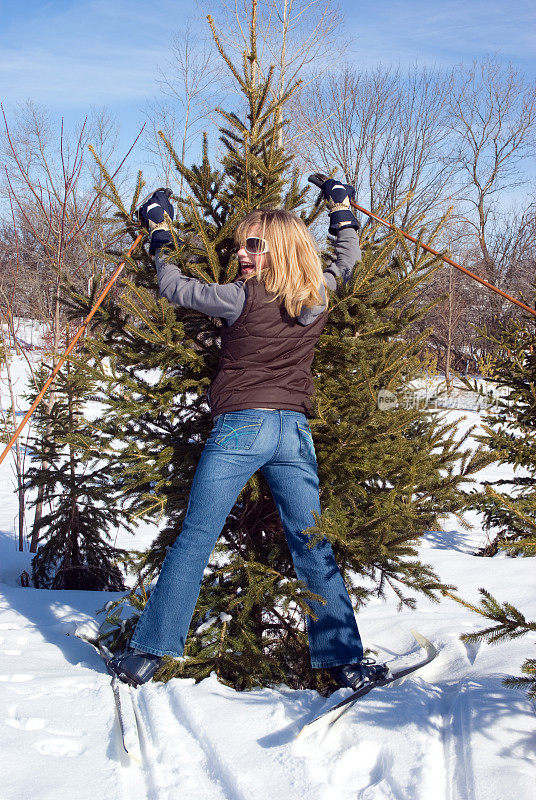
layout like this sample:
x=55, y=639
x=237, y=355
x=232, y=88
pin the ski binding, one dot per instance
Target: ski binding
x=395, y=673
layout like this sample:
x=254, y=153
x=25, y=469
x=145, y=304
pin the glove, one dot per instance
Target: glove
x=337, y=196
x=151, y=217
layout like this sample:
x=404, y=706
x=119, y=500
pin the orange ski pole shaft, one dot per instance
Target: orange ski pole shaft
x=77, y=336
x=318, y=179
x=445, y=258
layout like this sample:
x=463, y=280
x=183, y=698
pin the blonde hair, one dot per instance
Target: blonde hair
x=293, y=272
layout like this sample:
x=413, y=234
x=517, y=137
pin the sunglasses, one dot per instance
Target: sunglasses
x=255, y=246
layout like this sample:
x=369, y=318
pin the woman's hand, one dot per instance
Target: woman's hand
x=337, y=196
x=152, y=216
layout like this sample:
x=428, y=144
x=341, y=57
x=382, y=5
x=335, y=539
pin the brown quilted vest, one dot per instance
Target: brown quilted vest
x=266, y=358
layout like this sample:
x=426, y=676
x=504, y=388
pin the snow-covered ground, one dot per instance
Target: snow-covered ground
x=451, y=731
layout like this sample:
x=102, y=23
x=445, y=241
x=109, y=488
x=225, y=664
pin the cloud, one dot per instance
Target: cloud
x=69, y=54
x=80, y=53
x=72, y=80
x=446, y=32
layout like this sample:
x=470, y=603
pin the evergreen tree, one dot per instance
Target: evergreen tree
x=508, y=505
x=388, y=470
x=509, y=623
x=74, y=549
x=385, y=476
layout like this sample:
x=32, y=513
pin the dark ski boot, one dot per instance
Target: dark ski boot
x=362, y=673
x=134, y=667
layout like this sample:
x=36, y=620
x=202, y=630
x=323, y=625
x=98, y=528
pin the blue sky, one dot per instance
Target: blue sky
x=445, y=32
x=69, y=55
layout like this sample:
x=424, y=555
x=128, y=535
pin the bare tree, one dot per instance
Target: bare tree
x=297, y=34
x=59, y=210
x=291, y=36
x=57, y=223
x=8, y=415
x=189, y=84
x=385, y=132
x=492, y=113
x=416, y=143
x=492, y=120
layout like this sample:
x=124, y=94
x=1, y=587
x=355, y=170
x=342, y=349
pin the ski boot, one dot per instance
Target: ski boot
x=134, y=667
x=362, y=673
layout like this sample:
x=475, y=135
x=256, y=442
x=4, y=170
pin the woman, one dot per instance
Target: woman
x=272, y=317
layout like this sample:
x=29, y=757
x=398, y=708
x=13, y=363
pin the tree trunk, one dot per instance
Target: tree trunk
x=50, y=402
x=18, y=454
x=448, y=355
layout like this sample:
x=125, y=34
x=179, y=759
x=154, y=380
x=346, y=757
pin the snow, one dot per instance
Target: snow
x=450, y=731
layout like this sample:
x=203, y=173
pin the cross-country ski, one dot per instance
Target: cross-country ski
x=125, y=705
x=397, y=670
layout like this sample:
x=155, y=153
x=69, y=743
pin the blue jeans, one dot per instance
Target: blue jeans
x=279, y=443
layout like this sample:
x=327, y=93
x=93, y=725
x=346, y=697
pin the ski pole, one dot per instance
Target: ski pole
x=318, y=179
x=76, y=337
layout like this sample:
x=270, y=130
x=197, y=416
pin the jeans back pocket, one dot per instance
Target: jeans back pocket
x=237, y=431
x=307, y=448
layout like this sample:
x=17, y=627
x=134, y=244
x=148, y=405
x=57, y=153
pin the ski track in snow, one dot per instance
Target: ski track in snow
x=449, y=732
x=248, y=770
x=172, y=760
x=345, y=761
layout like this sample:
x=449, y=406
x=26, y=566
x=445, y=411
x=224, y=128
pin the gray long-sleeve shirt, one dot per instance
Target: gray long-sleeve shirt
x=227, y=300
